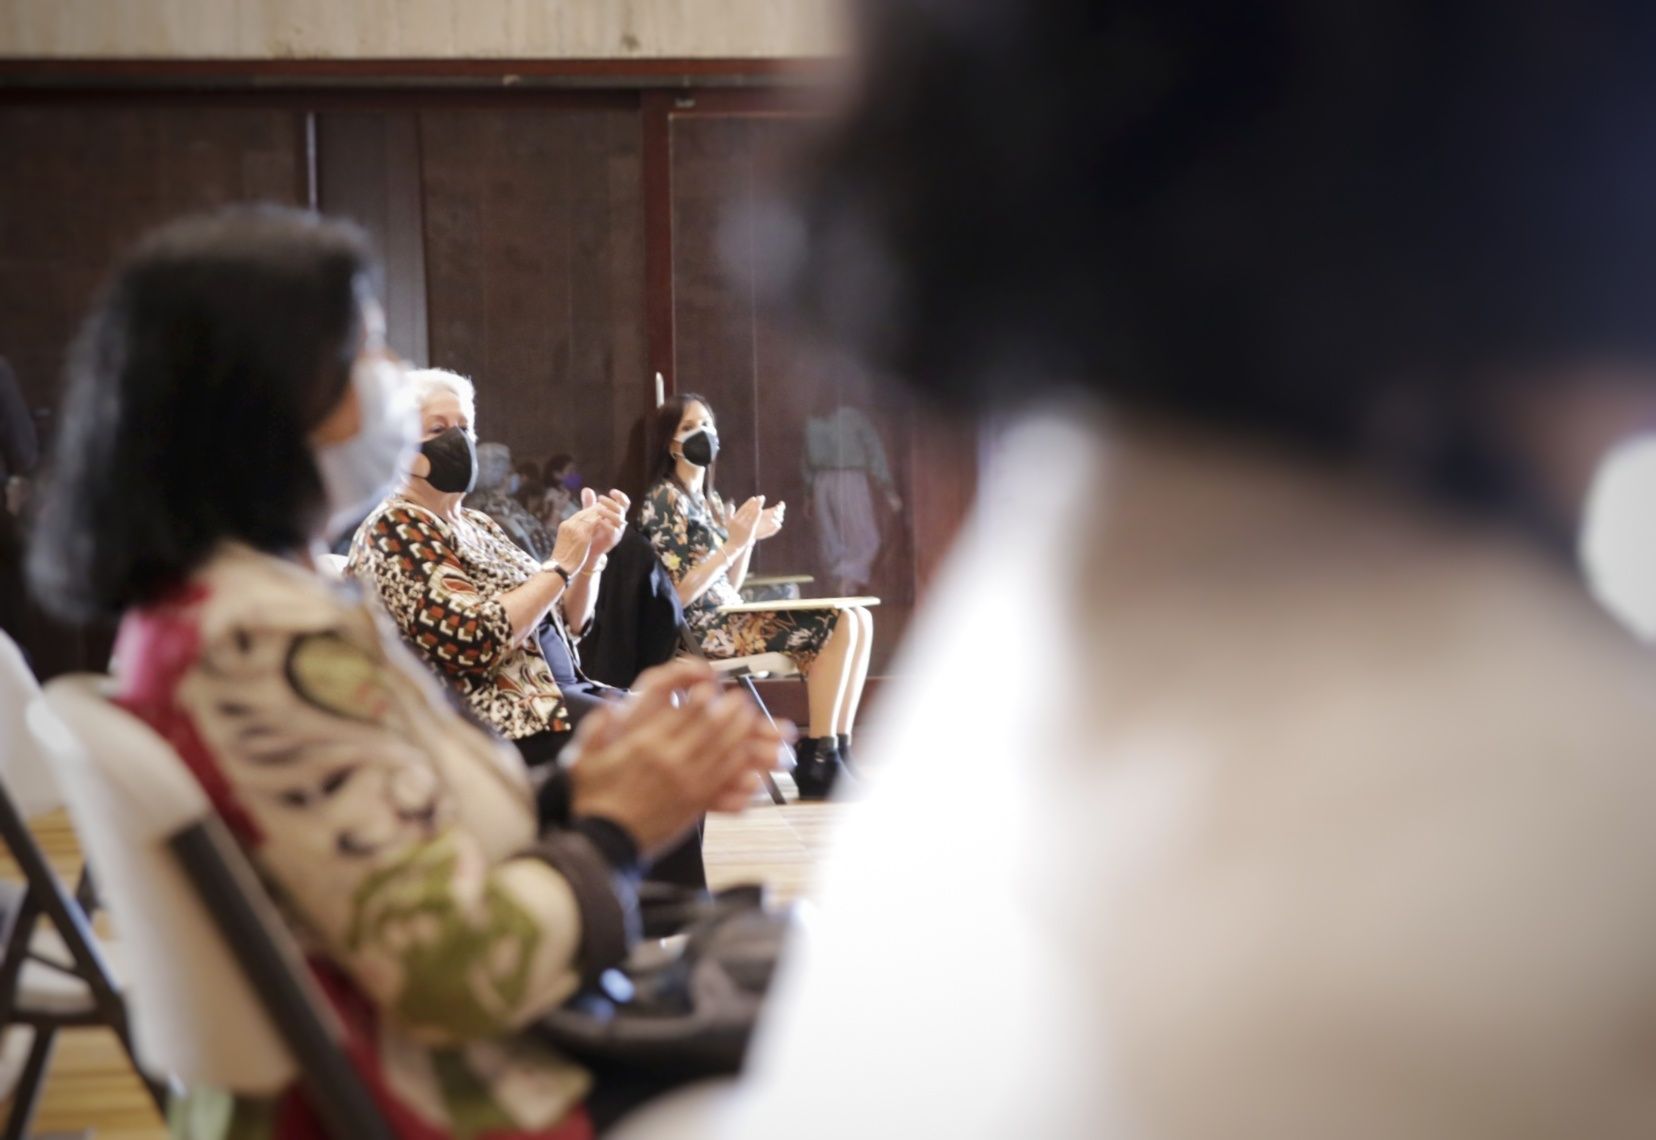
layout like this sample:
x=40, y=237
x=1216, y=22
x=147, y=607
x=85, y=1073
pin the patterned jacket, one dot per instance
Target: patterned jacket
x=441, y=582
x=400, y=842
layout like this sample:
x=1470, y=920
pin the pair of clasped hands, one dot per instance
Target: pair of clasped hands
x=677, y=748
x=753, y=522
x=591, y=532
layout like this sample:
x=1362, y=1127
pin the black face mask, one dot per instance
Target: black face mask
x=453, y=459
x=700, y=447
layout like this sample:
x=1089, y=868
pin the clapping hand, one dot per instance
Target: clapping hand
x=590, y=532
x=676, y=748
x=770, y=521
x=744, y=524
x=611, y=521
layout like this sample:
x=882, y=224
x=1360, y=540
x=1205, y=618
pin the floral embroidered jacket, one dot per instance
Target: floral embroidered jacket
x=400, y=842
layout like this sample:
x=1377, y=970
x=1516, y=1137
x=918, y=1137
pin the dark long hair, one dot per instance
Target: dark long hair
x=666, y=424
x=1268, y=215
x=218, y=344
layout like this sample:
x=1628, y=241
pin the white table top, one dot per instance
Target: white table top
x=799, y=604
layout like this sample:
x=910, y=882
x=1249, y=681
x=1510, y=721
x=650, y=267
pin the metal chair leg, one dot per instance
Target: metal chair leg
x=770, y=781
x=26, y=1096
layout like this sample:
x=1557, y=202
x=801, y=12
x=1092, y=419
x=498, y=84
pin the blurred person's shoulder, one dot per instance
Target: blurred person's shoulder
x=245, y=593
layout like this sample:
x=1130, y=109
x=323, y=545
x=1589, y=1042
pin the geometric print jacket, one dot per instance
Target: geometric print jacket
x=440, y=581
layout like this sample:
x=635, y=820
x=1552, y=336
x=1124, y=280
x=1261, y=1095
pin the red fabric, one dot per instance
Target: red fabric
x=155, y=647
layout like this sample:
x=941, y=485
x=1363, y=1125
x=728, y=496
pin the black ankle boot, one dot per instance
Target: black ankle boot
x=816, y=767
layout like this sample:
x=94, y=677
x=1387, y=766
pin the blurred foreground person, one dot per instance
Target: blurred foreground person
x=1322, y=793
x=232, y=401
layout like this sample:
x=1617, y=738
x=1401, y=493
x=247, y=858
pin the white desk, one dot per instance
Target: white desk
x=785, y=604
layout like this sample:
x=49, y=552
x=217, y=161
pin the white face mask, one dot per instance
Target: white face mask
x=1618, y=536
x=358, y=472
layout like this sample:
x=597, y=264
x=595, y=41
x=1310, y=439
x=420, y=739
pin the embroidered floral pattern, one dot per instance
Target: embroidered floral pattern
x=391, y=833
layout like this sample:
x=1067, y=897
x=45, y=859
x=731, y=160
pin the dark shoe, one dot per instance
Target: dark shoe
x=816, y=767
x=844, y=744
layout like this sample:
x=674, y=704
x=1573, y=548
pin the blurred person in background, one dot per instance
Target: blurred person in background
x=19, y=444
x=527, y=487
x=843, y=463
x=19, y=452
x=496, y=496
x=231, y=400
x=562, y=492
x=1322, y=793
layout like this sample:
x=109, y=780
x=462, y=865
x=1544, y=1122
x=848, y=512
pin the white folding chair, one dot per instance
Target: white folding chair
x=54, y=974
x=219, y=993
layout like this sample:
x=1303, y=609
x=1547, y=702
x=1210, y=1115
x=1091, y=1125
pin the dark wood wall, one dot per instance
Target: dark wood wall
x=82, y=182
x=535, y=271
x=557, y=246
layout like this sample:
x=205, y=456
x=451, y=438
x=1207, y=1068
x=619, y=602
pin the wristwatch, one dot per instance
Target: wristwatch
x=560, y=572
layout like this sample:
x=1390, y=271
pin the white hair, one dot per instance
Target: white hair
x=426, y=382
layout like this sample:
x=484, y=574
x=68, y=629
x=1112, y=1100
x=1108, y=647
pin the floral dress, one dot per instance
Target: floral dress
x=401, y=843
x=686, y=528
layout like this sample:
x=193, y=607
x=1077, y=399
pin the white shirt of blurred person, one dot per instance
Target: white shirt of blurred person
x=1317, y=802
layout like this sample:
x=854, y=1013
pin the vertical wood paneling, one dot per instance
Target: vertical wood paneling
x=81, y=184
x=368, y=166
x=535, y=273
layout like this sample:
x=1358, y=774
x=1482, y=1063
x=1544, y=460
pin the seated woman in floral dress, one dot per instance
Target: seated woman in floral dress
x=706, y=547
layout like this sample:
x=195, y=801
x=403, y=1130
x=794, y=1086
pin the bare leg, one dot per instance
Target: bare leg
x=825, y=684
x=859, y=671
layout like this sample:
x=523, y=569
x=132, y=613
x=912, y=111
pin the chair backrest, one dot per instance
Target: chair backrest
x=24, y=768
x=194, y=1013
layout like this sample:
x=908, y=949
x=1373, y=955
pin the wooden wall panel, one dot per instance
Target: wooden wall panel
x=368, y=167
x=82, y=182
x=534, y=259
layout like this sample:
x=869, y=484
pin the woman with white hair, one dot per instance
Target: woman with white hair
x=496, y=623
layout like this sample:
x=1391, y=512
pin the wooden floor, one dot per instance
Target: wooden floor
x=90, y=1085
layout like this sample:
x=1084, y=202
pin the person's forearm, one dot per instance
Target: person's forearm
x=527, y=605
x=739, y=568
x=581, y=599
x=694, y=584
